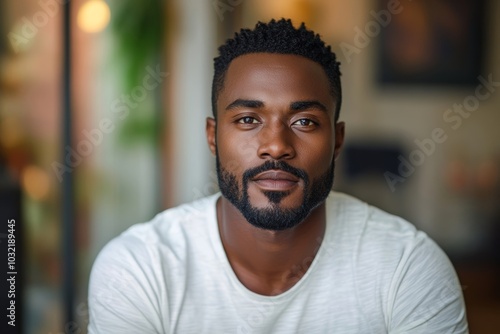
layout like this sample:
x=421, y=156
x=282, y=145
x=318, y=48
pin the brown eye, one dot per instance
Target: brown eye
x=304, y=122
x=247, y=120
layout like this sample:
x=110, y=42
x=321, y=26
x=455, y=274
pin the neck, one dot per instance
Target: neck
x=269, y=262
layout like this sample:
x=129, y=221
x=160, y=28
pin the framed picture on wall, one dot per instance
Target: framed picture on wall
x=431, y=42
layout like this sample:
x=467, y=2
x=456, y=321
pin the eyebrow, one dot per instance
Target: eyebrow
x=304, y=105
x=295, y=106
x=240, y=103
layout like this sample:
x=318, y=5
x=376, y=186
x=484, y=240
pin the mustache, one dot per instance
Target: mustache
x=274, y=165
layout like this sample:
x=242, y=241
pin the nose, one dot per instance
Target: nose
x=275, y=142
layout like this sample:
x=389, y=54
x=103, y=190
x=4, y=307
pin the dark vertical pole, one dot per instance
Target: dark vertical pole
x=68, y=217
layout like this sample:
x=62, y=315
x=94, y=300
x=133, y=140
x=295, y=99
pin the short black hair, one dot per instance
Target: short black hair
x=277, y=37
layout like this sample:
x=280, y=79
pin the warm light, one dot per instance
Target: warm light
x=93, y=16
x=297, y=10
x=35, y=182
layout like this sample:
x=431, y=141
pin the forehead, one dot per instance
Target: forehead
x=275, y=77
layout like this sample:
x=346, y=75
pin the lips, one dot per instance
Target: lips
x=275, y=180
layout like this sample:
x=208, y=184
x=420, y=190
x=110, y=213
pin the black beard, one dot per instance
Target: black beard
x=274, y=218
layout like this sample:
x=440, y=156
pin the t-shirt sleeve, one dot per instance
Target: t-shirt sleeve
x=425, y=294
x=123, y=292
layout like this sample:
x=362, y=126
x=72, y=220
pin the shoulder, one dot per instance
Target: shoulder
x=379, y=239
x=405, y=268
x=171, y=228
x=169, y=231
x=129, y=283
x=372, y=227
x=140, y=249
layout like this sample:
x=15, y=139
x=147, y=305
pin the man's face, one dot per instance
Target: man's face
x=275, y=138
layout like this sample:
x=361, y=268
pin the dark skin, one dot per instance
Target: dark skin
x=273, y=107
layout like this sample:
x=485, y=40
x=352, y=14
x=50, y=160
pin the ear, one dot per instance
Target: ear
x=339, y=138
x=210, y=131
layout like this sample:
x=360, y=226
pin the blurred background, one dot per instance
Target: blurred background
x=421, y=92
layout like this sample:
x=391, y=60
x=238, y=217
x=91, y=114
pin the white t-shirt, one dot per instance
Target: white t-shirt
x=373, y=273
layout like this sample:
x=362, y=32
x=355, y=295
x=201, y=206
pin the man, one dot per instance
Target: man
x=276, y=251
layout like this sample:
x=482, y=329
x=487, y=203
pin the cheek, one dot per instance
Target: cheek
x=317, y=157
x=236, y=154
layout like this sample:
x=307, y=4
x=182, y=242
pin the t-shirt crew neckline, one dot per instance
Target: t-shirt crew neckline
x=226, y=266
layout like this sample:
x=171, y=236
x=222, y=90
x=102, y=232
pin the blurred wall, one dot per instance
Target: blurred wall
x=188, y=164
x=406, y=114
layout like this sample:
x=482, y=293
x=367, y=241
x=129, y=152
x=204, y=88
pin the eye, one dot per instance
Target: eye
x=247, y=120
x=304, y=122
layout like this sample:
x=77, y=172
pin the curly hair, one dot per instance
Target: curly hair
x=277, y=37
